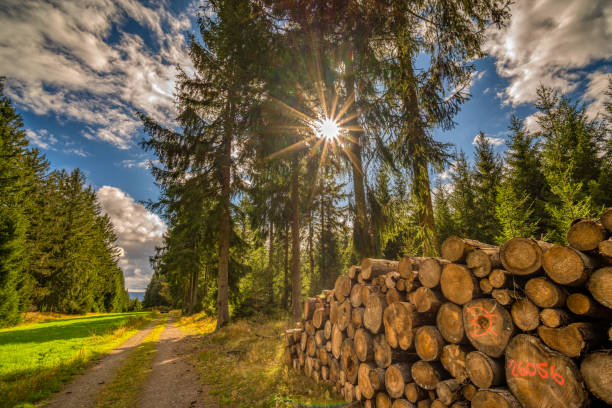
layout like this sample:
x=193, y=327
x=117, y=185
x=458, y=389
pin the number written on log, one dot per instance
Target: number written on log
x=527, y=369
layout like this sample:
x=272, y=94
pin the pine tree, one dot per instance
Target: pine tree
x=13, y=222
x=487, y=179
x=463, y=198
x=514, y=213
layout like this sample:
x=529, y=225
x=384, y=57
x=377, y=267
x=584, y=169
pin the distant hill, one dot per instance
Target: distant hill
x=136, y=295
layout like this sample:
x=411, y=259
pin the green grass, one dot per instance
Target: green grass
x=242, y=364
x=123, y=391
x=37, y=359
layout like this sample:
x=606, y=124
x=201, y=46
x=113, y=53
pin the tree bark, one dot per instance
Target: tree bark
x=296, y=278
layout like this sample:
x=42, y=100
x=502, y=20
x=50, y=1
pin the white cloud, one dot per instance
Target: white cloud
x=531, y=123
x=77, y=152
x=594, y=95
x=549, y=42
x=143, y=164
x=59, y=59
x=42, y=138
x=494, y=141
x=447, y=174
x=138, y=231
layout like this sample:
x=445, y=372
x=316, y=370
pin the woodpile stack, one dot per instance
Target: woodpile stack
x=521, y=325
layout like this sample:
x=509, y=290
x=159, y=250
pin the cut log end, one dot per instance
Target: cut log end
x=522, y=256
x=586, y=234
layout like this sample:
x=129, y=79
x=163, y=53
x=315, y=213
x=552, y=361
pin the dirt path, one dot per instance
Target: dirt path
x=82, y=391
x=174, y=381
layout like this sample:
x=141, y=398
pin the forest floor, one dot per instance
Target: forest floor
x=172, y=362
x=242, y=364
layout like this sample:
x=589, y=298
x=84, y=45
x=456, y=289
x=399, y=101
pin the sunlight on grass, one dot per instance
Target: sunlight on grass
x=37, y=359
x=123, y=391
x=242, y=365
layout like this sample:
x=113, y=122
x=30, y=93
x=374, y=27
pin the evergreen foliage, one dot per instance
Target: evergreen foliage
x=57, y=250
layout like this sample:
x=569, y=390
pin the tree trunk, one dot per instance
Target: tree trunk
x=586, y=234
x=296, y=278
x=544, y=293
x=523, y=256
x=399, y=319
x=525, y=314
x=600, y=286
x=453, y=361
x=396, y=377
x=225, y=225
x=571, y=340
x=271, y=264
x=456, y=249
x=285, y=299
x=488, y=326
x=484, y=371
x=449, y=321
x=458, y=284
x=428, y=343
x=596, y=369
x=567, y=266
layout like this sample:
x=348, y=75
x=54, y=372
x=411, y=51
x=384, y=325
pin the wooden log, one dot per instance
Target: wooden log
x=303, y=341
x=325, y=373
x=349, y=362
x=319, y=338
x=384, y=355
x=357, y=317
x=402, y=403
x=399, y=319
x=523, y=256
x=610, y=333
x=392, y=296
x=333, y=311
x=353, y=272
x=460, y=404
x=344, y=314
x=390, y=279
x=605, y=250
x=428, y=374
x=342, y=288
x=449, y=321
x=555, y=317
x=596, y=369
x=311, y=347
x=371, y=268
x=336, y=341
x=505, y=297
x=542, y=378
x=488, y=326
x=600, y=286
x=366, y=290
x=327, y=329
x=309, y=327
x=606, y=219
x=582, y=305
x=438, y=404
x=544, y=293
x=570, y=340
x=401, y=285
x=425, y=301
x=453, y=361
x=324, y=357
x=455, y=249
x=358, y=396
x=373, y=315
x=430, y=270
x=525, y=315
x=377, y=378
x=350, y=331
x=482, y=261
x=424, y=404
x=363, y=379
x=468, y=391
x=396, y=377
x=484, y=371
x=567, y=266
x=458, y=284
x=334, y=370
x=364, y=347
x=309, y=307
x=495, y=398
x=320, y=315
x=383, y=400
x=428, y=343
x=448, y=391
x=413, y=392
x=355, y=295
x=485, y=286
x=586, y=234
x=408, y=267
x=369, y=403
x=498, y=278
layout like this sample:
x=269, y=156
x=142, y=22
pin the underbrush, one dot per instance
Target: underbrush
x=242, y=364
x=37, y=359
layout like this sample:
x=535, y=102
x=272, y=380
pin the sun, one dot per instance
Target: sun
x=327, y=129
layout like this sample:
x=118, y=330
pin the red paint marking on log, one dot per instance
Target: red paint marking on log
x=475, y=324
x=524, y=372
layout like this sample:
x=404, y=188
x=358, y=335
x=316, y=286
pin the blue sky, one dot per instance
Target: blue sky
x=78, y=70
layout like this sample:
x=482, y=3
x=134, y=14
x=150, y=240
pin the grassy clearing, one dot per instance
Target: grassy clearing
x=123, y=391
x=245, y=369
x=37, y=359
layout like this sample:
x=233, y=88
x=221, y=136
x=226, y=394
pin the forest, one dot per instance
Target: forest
x=304, y=142
x=57, y=249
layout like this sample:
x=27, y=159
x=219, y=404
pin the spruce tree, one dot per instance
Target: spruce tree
x=487, y=179
x=463, y=198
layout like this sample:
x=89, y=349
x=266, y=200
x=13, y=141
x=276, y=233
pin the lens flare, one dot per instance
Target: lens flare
x=327, y=129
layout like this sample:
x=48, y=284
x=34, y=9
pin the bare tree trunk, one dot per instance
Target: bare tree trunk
x=194, y=291
x=420, y=175
x=296, y=279
x=286, y=269
x=224, y=227
x=271, y=265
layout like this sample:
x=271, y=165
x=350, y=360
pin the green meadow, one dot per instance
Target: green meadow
x=37, y=359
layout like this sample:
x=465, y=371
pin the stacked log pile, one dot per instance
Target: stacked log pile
x=521, y=325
